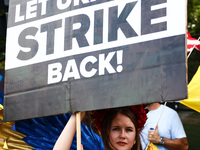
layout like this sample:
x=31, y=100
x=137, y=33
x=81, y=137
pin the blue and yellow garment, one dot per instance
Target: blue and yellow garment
x=42, y=133
x=12, y=139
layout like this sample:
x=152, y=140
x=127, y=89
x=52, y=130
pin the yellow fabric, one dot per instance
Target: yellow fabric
x=193, y=100
x=151, y=146
x=6, y=131
x=1, y=115
x=13, y=139
x=5, y=146
x=1, y=107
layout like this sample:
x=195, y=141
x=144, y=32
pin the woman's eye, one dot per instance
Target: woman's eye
x=129, y=130
x=115, y=129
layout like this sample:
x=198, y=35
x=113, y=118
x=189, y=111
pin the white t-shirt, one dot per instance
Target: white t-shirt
x=169, y=125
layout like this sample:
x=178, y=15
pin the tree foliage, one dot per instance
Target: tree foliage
x=194, y=17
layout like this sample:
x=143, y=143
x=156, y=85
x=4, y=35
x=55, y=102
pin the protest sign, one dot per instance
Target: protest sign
x=80, y=55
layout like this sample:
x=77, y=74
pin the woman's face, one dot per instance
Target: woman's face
x=122, y=133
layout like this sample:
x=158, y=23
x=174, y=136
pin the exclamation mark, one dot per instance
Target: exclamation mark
x=119, y=61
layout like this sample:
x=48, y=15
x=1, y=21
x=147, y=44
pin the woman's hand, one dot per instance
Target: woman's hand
x=82, y=115
x=65, y=139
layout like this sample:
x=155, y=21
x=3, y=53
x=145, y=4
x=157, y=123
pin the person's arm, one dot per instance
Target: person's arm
x=65, y=139
x=176, y=144
x=173, y=144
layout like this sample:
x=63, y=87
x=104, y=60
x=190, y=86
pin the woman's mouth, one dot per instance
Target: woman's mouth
x=121, y=143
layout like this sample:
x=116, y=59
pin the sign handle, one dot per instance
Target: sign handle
x=78, y=130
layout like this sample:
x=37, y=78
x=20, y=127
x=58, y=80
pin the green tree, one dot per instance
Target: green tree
x=194, y=17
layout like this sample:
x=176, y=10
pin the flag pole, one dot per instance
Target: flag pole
x=78, y=129
x=192, y=48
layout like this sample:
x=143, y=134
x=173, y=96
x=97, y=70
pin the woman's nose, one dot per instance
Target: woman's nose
x=123, y=134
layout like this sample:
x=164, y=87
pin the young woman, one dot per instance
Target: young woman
x=119, y=128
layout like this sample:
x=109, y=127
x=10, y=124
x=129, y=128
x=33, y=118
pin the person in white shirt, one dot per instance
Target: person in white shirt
x=163, y=128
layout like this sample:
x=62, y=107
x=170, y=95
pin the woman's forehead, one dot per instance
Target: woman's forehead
x=122, y=120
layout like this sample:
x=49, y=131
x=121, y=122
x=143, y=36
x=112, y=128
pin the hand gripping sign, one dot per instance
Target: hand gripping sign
x=79, y=55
